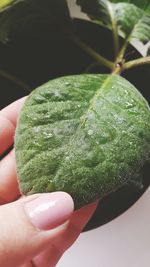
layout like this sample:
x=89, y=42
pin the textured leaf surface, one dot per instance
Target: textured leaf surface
x=143, y=4
x=53, y=14
x=86, y=135
x=133, y=22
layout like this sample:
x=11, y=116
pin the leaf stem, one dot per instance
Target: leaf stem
x=114, y=30
x=116, y=41
x=15, y=80
x=91, y=66
x=122, y=51
x=97, y=57
x=117, y=69
x=136, y=63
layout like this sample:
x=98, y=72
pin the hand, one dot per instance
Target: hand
x=35, y=230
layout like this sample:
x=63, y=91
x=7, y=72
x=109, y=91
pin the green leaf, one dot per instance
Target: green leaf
x=7, y=3
x=143, y=4
x=35, y=13
x=131, y=21
x=85, y=134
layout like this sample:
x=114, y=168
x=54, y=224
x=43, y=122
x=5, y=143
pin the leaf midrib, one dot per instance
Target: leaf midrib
x=114, y=26
x=129, y=38
x=96, y=95
x=108, y=78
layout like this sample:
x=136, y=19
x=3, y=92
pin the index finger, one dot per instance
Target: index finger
x=8, y=120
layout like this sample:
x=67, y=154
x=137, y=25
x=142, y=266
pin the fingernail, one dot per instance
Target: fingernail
x=50, y=210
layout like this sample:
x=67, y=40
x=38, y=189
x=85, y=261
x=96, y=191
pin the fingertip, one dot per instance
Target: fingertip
x=66, y=197
x=50, y=210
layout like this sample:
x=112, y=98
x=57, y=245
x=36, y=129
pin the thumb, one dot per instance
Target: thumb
x=27, y=226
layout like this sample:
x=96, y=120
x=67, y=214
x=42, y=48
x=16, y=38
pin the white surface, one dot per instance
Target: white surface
x=75, y=10
x=124, y=242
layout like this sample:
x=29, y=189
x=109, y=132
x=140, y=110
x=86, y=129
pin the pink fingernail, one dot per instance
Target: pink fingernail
x=50, y=210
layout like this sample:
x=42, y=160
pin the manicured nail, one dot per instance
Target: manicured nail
x=50, y=210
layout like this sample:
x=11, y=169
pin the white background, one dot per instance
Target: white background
x=124, y=242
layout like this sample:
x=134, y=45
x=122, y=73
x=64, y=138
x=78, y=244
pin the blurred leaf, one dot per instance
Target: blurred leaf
x=42, y=13
x=143, y=4
x=7, y=3
x=131, y=21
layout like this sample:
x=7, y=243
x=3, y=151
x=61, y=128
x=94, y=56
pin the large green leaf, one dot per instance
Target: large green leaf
x=85, y=134
x=131, y=21
x=52, y=14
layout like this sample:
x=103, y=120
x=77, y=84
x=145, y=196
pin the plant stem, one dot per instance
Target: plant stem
x=91, y=66
x=114, y=30
x=122, y=52
x=136, y=63
x=98, y=58
x=116, y=41
x=117, y=69
x=15, y=80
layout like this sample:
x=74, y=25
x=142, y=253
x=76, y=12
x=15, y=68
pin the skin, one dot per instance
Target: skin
x=31, y=247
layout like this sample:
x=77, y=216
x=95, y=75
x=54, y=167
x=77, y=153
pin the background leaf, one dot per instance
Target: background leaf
x=7, y=3
x=143, y=4
x=42, y=13
x=132, y=22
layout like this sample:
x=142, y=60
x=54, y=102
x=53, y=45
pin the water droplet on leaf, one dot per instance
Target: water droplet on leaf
x=90, y=132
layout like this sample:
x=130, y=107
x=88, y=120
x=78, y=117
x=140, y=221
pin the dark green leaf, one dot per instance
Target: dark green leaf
x=143, y=4
x=131, y=21
x=53, y=14
x=85, y=134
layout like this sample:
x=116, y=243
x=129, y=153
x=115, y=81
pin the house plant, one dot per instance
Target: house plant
x=128, y=28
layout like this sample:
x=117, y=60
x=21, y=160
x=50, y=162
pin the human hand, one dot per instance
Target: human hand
x=34, y=230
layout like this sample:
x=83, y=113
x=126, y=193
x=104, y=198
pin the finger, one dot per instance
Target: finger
x=29, y=264
x=9, y=189
x=51, y=256
x=77, y=222
x=8, y=120
x=28, y=225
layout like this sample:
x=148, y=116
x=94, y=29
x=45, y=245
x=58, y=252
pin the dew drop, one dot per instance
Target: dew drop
x=129, y=105
x=126, y=92
x=48, y=135
x=67, y=83
x=90, y=132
